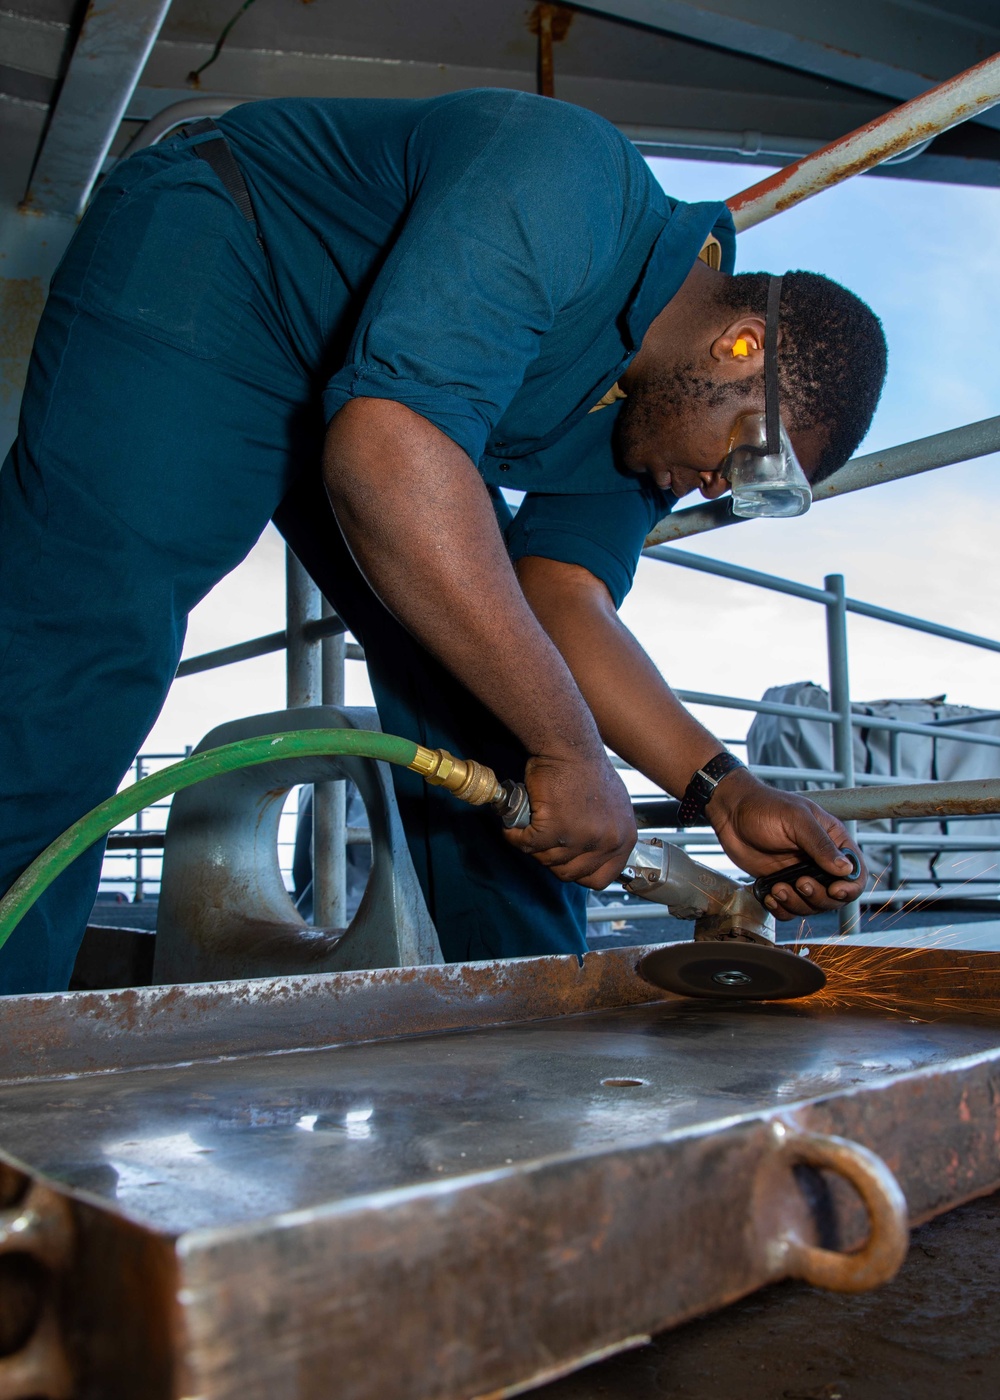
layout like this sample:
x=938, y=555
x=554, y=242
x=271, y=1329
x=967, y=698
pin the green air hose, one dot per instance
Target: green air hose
x=466, y=779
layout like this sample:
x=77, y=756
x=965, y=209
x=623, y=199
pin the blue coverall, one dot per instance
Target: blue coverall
x=490, y=259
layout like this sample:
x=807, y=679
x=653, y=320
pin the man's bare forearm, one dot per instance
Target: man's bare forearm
x=761, y=830
x=420, y=524
x=637, y=713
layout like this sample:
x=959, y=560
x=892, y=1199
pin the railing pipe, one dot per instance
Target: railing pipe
x=739, y=573
x=917, y=624
x=630, y=913
x=657, y=139
x=956, y=721
x=927, y=454
x=138, y=890
x=895, y=869
x=911, y=124
x=903, y=842
x=894, y=464
x=189, y=109
x=968, y=797
x=760, y=707
x=721, y=569
x=862, y=721
x=262, y=646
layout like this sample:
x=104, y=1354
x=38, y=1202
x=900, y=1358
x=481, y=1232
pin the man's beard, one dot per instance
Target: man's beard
x=661, y=401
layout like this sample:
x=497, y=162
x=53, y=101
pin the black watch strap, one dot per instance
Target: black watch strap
x=699, y=790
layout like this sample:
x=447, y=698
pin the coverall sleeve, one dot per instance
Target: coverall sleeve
x=516, y=210
x=602, y=533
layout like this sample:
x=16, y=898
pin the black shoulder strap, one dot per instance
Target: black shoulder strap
x=219, y=156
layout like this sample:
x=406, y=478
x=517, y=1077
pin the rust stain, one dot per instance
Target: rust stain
x=551, y=23
x=921, y=128
x=21, y=303
x=559, y=17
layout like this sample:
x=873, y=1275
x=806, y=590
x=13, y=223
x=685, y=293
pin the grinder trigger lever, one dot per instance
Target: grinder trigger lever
x=764, y=884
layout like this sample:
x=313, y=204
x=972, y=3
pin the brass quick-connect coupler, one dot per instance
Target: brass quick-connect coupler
x=470, y=781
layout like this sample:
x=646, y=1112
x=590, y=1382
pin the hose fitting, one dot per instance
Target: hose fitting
x=466, y=779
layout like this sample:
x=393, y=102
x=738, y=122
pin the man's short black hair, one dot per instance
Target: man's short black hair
x=832, y=357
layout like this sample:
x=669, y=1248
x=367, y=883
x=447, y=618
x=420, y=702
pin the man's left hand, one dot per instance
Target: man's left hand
x=763, y=830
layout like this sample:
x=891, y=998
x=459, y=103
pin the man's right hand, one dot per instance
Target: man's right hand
x=582, y=826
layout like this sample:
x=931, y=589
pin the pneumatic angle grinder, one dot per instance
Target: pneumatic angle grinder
x=733, y=955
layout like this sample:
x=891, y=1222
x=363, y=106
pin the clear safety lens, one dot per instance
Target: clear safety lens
x=764, y=483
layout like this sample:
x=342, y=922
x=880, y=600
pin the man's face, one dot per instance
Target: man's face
x=677, y=425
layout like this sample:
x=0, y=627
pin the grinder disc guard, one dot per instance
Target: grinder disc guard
x=731, y=971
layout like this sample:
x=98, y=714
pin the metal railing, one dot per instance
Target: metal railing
x=133, y=857
x=843, y=721
x=315, y=674
x=131, y=849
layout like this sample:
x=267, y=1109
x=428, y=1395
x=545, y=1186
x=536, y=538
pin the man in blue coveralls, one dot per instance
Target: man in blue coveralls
x=394, y=309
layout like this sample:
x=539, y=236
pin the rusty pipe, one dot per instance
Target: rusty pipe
x=969, y=798
x=911, y=124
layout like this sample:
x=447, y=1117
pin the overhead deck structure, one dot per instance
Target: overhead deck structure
x=755, y=80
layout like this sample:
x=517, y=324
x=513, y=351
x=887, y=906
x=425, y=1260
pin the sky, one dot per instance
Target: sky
x=925, y=258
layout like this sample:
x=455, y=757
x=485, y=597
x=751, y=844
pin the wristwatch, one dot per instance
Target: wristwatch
x=700, y=789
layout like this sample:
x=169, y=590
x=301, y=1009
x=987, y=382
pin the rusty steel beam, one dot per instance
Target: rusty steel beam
x=915, y=122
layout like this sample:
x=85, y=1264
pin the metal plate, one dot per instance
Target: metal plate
x=204, y=1146
x=439, y=1183
x=731, y=971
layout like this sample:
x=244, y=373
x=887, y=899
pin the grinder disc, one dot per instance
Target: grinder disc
x=732, y=971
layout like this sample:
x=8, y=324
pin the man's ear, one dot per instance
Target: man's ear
x=741, y=344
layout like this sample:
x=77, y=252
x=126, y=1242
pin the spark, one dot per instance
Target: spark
x=907, y=981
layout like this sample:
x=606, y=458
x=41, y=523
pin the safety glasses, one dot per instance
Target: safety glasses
x=760, y=465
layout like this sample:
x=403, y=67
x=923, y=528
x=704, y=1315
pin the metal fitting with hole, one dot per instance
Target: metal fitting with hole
x=37, y=1227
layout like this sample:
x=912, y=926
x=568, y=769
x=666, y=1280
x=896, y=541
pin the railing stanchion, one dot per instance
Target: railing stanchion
x=138, y=894
x=840, y=700
x=895, y=870
x=330, y=806
x=302, y=660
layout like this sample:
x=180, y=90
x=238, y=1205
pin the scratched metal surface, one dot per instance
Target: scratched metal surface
x=214, y=1144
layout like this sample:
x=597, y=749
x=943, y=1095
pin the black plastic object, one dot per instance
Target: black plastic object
x=764, y=884
x=731, y=971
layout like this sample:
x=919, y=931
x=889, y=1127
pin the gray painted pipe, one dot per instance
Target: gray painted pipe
x=978, y=797
x=909, y=459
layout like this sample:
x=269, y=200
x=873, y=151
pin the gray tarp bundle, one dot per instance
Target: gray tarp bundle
x=782, y=740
